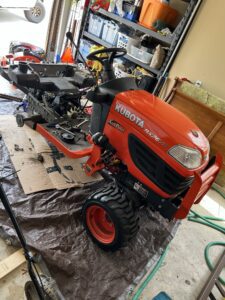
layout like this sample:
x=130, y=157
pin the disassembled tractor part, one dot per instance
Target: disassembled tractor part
x=68, y=138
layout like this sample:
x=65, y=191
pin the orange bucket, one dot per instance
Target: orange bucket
x=153, y=10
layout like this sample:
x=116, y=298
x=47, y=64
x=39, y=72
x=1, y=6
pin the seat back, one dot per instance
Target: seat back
x=98, y=117
x=103, y=96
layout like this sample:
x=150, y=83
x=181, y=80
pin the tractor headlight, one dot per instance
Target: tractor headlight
x=188, y=157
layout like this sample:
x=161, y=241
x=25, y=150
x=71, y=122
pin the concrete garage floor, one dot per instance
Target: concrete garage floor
x=15, y=27
x=184, y=271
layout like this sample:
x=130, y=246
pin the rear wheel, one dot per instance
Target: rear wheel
x=109, y=218
x=36, y=14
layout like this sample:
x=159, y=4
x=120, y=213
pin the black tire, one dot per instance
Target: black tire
x=35, y=14
x=118, y=210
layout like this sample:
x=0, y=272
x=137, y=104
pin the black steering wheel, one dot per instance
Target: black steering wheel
x=113, y=53
x=107, y=61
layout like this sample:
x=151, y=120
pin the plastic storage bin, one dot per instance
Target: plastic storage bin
x=110, y=32
x=84, y=48
x=132, y=41
x=122, y=40
x=153, y=10
x=141, y=55
x=130, y=12
x=120, y=73
x=95, y=25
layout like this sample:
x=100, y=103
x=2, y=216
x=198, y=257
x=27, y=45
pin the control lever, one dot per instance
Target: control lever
x=69, y=35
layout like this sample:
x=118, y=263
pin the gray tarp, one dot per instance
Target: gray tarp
x=51, y=222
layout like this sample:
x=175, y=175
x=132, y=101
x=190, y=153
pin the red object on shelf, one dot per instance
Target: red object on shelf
x=100, y=4
x=153, y=10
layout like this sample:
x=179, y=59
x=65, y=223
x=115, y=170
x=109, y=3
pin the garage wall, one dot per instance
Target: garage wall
x=202, y=56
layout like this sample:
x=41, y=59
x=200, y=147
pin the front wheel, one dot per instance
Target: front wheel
x=36, y=14
x=109, y=218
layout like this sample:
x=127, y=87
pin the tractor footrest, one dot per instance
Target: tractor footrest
x=79, y=150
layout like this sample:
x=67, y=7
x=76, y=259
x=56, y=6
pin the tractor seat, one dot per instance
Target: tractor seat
x=106, y=92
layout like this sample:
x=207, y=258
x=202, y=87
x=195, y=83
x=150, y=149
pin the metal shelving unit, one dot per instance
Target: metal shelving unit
x=128, y=57
x=170, y=42
x=163, y=39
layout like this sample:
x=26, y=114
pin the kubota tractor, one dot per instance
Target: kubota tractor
x=153, y=153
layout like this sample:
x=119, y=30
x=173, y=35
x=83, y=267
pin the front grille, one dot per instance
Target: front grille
x=156, y=169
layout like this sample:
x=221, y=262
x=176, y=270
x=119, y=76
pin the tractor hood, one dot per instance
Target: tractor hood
x=163, y=125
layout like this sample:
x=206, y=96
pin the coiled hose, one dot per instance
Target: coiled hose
x=207, y=220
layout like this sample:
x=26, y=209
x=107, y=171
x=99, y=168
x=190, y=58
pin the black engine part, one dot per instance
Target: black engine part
x=50, y=77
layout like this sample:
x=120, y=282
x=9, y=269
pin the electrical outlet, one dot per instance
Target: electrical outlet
x=198, y=83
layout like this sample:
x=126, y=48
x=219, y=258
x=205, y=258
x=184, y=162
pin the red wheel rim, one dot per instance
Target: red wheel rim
x=100, y=224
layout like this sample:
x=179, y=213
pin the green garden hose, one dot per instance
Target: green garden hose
x=215, y=188
x=209, y=263
x=194, y=217
x=207, y=220
x=151, y=275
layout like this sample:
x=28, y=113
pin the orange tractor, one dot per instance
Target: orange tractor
x=151, y=153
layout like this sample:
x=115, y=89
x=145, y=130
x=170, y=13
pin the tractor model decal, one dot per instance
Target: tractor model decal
x=155, y=137
x=116, y=125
